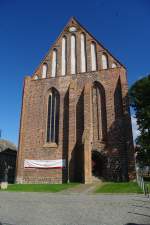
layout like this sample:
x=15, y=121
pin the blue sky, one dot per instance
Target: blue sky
x=28, y=28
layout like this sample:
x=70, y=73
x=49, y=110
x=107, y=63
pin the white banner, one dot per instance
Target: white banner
x=59, y=163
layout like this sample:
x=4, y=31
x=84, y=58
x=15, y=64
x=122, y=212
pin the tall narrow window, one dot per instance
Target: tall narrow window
x=36, y=77
x=63, y=56
x=53, y=116
x=73, y=54
x=118, y=104
x=104, y=61
x=44, y=70
x=83, y=53
x=54, y=63
x=114, y=65
x=99, y=112
x=93, y=57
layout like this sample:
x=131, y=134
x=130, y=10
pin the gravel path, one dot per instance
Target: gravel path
x=73, y=209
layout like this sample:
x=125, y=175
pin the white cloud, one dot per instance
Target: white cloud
x=135, y=130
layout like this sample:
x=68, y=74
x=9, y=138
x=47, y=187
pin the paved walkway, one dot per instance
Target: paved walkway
x=73, y=209
x=82, y=188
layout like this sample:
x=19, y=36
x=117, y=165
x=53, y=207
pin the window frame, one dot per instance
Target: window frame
x=94, y=58
x=52, y=139
x=106, y=61
x=44, y=72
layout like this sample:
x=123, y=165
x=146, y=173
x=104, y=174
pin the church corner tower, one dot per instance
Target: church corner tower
x=75, y=119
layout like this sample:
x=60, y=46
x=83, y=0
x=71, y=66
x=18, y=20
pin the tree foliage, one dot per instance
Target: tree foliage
x=140, y=101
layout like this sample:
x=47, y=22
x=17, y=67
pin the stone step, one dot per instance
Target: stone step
x=96, y=179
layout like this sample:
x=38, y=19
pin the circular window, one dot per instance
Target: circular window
x=72, y=29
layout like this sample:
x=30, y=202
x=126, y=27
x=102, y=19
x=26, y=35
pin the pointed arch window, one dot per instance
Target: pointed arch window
x=99, y=112
x=73, y=54
x=83, y=53
x=118, y=104
x=54, y=63
x=93, y=57
x=44, y=70
x=114, y=65
x=64, y=56
x=53, y=116
x=36, y=77
x=104, y=61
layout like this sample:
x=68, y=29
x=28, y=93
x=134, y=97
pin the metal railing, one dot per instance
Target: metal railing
x=140, y=181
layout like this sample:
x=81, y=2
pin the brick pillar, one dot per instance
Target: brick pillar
x=20, y=154
x=72, y=129
x=127, y=124
x=87, y=134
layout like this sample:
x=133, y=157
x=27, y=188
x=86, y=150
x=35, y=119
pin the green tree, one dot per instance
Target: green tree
x=140, y=101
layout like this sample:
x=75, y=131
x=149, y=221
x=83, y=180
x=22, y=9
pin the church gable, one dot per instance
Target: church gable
x=75, y=128
x=75, y=51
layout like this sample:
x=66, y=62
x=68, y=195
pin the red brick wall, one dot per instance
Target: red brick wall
x=74, y=118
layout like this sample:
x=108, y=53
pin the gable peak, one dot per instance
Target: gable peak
x=73, y=25
x=72, y=21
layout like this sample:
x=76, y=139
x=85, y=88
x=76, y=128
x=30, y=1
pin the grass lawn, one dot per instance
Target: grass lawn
x=39, y=187
x=148, y=183
x=127, y=187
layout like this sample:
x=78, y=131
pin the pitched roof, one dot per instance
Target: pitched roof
x=5, y=144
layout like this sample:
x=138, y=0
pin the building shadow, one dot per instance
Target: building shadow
x=136, y=224
x=117, y=149
x=76, y=165
x=139, y=200
x=141, y=206
x=120, y=143
x=139, y=214
x=65, y=136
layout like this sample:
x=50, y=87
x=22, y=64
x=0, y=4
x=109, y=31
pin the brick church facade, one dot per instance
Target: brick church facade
x=75, y=119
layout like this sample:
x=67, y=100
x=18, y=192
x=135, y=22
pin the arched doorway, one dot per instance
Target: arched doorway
x=97, y=164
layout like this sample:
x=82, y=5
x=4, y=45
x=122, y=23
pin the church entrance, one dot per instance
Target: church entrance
x=97, y=164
